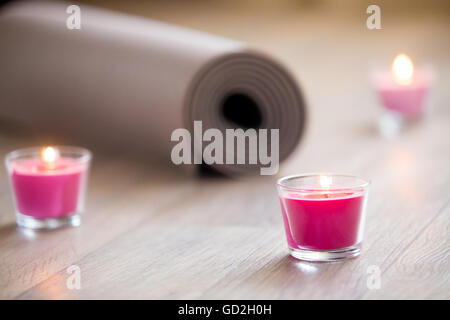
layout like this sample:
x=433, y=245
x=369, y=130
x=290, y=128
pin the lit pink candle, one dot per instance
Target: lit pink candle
x=48, y=188
x=323, y=221
x=403, y=90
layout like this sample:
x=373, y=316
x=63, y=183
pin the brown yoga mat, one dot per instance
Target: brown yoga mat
x=128, y=82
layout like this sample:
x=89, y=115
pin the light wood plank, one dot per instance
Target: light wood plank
x=422, y=271
x=158, y=234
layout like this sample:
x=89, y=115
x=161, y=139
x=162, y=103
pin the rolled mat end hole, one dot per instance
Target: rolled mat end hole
x=242, y=110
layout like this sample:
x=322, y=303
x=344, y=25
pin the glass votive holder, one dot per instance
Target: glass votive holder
x=323, y=215
x=403, y=92
x=48, y=185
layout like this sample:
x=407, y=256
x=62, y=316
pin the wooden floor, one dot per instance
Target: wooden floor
x=149, y=233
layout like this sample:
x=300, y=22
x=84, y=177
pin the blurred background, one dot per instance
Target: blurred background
x=224, y=237
x=331, y=52
x=326, y=46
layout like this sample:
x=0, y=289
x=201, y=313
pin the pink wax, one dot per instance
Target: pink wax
x=405, y=99
x=43, y=192
x=322, y=222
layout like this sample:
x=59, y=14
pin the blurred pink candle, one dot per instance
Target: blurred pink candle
x=46, y=193
x=48, y=185
x=403, y=89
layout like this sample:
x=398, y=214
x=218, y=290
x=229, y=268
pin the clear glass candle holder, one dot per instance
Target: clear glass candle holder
x=48, y=185
x=403, y=91
x=323, y=215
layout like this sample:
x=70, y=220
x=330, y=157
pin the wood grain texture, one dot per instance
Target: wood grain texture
x=151, y=234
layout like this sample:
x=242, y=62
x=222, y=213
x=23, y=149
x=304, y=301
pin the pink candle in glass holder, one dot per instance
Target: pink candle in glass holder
x=403, y=90
x=48, y=185
x=323, y=215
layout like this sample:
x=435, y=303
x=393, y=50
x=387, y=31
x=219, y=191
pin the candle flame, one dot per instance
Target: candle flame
x=403, y=69
x=325, y=181
x=49, y=155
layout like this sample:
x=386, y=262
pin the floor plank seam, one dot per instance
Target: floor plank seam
x=420, y=232
x=163, y=207
x=237, y=265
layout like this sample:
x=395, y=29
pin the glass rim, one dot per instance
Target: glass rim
x=84, y=154
x=308, y=189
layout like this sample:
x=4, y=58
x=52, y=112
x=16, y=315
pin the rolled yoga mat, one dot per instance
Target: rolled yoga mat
x=128, y=82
